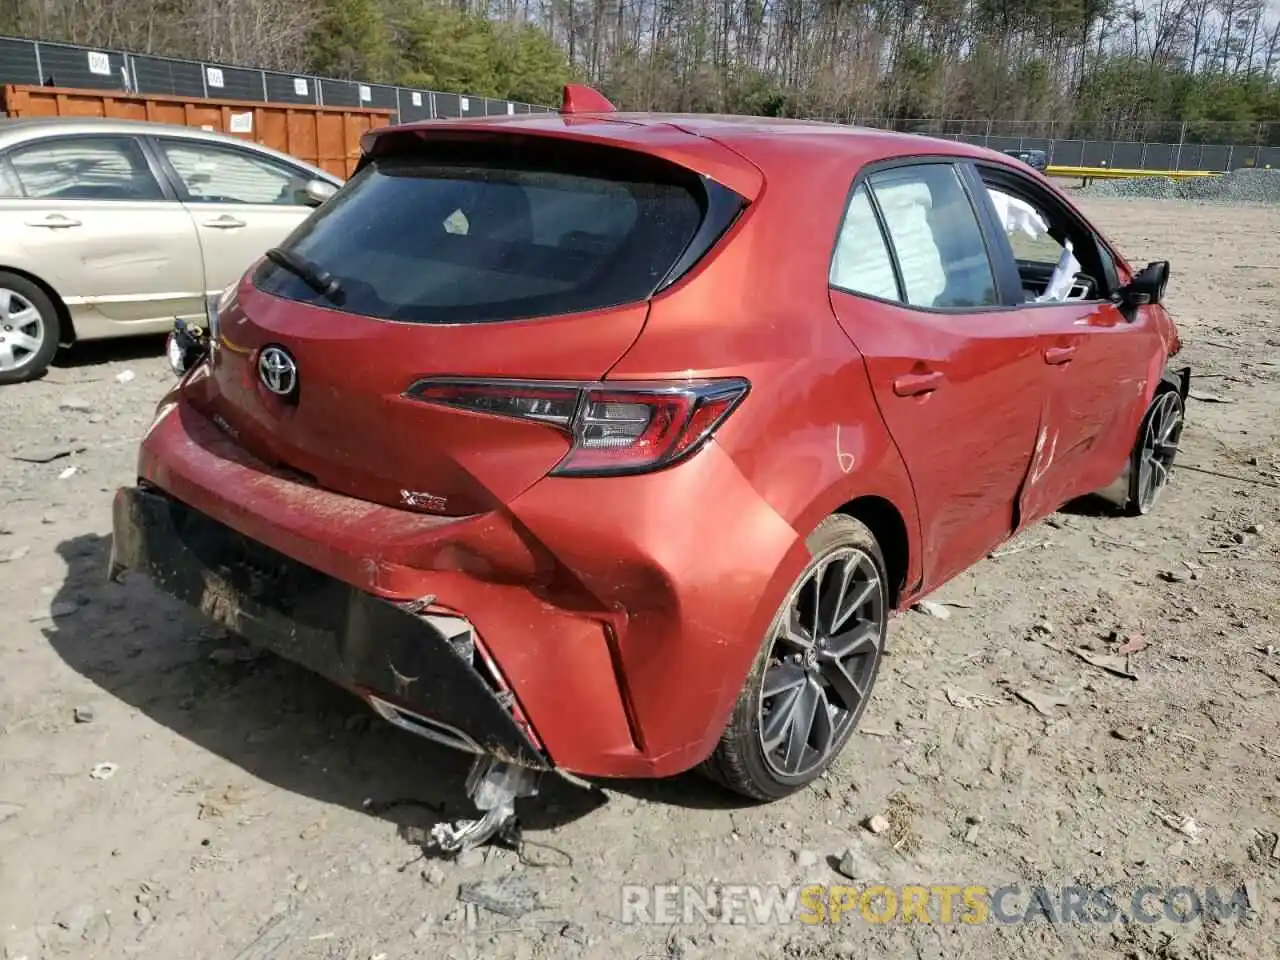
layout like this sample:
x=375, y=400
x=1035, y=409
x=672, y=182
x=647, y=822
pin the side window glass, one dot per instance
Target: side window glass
x=862, y=263
x=936, y=237
x=85, y=168
x=1047, y=258
x=213, y=174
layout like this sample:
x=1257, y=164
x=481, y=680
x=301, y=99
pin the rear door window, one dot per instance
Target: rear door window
x=211, y=173
x=483, y=232
x=936, y=237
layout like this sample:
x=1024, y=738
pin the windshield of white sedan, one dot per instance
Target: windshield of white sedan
x=489, y=235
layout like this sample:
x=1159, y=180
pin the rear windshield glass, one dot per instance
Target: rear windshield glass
x=474, y=232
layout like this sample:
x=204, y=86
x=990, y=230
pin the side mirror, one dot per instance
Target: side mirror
x=1147, y=286
x=318, y=191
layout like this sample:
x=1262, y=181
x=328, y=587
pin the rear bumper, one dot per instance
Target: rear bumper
x=624, y=613
x=408, y=669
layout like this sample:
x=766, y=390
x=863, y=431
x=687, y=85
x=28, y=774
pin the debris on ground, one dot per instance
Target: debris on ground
x=1133, y=643
x=929, y=608
x=511, y=896
x=104, y=771
x=83, y=714
x=1043, y=703
x=125, y=376
x=217, y=805
x=576, y=934
x=970, y=701
x=878, y=824
x=1119, y=666
x=1187, y=826
x=44, y=454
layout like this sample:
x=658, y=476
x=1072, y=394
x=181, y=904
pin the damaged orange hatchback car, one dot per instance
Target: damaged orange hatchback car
x=607, y=443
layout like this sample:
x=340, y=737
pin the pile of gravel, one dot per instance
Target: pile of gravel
x=1237, y=186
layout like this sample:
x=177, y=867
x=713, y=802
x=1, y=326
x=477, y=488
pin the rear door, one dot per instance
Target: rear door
x=492, y=259
x=1096, y=360
x=93, y=219
x=241, y=202
x=959, y=379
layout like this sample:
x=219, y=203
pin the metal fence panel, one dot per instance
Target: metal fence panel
x=18, y=62
x=1215, y=157
x=160, y=75
x=286, y=88
x=233, y=83
x=1160, y=156
x=63, y=65
x=414, y=105
x=339, y=93
x=447, y=105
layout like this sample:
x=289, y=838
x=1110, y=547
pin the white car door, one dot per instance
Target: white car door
x=89, y=216
x=242, y=202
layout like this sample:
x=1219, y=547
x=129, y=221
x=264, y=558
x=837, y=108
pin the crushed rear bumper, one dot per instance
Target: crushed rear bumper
x=411, y=670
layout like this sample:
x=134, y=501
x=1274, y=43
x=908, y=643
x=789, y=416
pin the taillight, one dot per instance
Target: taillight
x=615, y=428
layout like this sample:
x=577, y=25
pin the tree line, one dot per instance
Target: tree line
x=1126, y=63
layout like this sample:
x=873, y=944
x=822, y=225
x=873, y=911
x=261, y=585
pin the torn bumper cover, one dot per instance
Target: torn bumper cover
x=399, y=661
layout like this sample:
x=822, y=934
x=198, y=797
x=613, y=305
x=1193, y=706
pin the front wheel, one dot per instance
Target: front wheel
x=29, y=329
x=1151, y=463
x=815, y=670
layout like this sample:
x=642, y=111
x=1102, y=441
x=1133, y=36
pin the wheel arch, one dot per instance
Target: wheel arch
x=889, y=527
x=66, y=325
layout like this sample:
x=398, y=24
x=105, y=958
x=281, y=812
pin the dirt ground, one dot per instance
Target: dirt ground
x=255, y=812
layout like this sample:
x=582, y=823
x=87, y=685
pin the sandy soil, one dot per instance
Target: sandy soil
x=258, y=813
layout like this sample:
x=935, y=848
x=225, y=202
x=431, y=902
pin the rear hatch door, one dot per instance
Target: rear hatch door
x=495, y=256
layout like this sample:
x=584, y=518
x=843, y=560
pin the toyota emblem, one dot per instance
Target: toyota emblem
x=278, y=371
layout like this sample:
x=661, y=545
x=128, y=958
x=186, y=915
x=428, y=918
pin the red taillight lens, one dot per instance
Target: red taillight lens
x=615, y=428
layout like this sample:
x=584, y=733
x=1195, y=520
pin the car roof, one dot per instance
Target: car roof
x=772, y=144
x=15, y=130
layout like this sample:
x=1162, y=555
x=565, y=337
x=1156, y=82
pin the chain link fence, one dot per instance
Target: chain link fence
x=70, y=65
x=1157, y=145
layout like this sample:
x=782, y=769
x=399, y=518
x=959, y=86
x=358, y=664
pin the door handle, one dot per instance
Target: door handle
x=914, y=384
x=225, y=222
x=54, y=221
x=1059, y=355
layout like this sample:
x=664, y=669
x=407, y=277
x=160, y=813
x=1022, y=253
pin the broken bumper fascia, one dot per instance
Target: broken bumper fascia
x=396, y=659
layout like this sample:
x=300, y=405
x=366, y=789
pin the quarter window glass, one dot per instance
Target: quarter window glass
x=936, y=236
x=862, y=263
x=223, y=175
x=86, y=168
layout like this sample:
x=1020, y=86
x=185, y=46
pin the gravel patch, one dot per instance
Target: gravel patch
x=1237, y=186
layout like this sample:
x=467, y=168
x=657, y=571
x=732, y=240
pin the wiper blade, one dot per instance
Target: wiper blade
x=321, y=281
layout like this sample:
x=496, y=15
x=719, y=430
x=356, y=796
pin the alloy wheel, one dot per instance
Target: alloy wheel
x=21, y=330
x=1162, y=429
x=823, y=658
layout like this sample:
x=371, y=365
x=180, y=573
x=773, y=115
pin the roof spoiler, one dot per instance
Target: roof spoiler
x=579, y=98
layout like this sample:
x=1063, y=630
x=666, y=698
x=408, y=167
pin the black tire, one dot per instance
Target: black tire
x=739, y=761
x=1141, y=498
x=31, y=363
